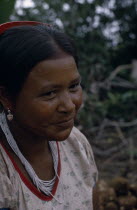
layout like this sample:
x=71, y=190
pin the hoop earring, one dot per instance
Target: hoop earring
x=9, y=115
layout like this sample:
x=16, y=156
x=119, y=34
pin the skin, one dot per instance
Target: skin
x=45, y=110
x=51, y=94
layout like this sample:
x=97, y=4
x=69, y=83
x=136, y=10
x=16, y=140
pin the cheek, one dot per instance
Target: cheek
x=43, y=111
x=78, y=99
x=36, y=112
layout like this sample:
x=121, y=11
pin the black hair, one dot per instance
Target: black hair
x=22, y=47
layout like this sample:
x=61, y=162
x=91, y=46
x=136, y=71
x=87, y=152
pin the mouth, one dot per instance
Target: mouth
x=66, y=123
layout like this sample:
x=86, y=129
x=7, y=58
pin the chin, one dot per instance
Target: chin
x=63, y=135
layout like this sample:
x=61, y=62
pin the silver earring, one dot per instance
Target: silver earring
x=9, y=115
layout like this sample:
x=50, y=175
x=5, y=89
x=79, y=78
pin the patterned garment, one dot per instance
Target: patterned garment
x=73, y=191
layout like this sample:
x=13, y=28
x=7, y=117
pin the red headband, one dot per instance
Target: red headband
x=5, y=26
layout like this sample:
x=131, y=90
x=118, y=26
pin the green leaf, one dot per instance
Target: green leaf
x=6, y=8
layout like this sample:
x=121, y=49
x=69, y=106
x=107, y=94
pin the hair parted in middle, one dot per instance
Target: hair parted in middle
x=22, y=47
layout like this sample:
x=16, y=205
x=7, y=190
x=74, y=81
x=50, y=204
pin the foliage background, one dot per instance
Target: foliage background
x=105, y=33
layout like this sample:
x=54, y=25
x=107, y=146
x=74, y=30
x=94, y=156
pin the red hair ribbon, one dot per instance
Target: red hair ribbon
x=5, y=26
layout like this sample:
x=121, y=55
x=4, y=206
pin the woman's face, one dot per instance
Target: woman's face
x=50, y=99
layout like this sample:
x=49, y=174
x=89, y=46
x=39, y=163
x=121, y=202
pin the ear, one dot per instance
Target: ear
x=5, y=99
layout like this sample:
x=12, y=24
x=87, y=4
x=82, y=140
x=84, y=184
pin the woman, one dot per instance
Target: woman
x=45, y=162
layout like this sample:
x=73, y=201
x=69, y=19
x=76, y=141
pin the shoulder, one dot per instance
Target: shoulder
x=7, y=198
x=77, y=137
x=81, y=145
x=77, y=134
x=3, y=165
x=78, y=146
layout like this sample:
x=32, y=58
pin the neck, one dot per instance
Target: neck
x=29, y=144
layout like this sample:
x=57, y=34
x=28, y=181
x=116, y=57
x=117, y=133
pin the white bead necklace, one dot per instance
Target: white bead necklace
x=44, y=186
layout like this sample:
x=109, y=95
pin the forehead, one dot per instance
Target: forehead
x=54, y=70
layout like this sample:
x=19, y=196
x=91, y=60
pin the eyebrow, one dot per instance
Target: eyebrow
x=77, y=79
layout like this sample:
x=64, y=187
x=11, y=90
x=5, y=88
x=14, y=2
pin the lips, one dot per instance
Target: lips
x=66, y=123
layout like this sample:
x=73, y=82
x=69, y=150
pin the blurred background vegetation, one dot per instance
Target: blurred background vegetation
x=105, y=33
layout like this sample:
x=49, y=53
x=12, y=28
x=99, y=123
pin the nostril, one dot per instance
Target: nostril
x=66, y=105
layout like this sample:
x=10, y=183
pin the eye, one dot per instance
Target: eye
x=49, y=94
x=74, y=87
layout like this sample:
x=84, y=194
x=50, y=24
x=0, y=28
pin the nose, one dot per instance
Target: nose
x=66, y=104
